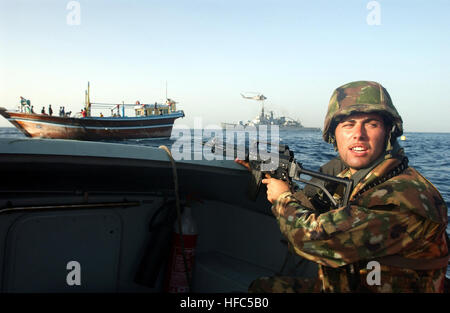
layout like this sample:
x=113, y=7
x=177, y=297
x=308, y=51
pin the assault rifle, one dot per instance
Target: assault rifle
x=288, y=169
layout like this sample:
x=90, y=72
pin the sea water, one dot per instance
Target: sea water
x=429, y=153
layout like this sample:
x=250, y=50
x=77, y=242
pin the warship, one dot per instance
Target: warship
x=283, y=122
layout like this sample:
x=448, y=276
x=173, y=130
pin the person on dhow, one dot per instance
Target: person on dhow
x=396, y=217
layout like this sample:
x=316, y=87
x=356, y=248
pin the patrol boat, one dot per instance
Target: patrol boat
x=283, y=122
x=150, y=121
x=83, y=216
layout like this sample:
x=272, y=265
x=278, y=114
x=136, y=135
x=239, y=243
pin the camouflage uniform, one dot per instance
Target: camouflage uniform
x=396, y=221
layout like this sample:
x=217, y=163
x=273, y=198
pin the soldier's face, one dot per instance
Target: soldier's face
x=360, y=139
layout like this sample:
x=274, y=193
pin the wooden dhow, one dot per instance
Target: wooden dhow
x=150, y=121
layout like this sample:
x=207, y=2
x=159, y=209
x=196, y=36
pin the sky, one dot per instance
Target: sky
x=208, y=52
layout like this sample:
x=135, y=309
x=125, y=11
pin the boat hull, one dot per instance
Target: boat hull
x=104, y=207
x=93, y=128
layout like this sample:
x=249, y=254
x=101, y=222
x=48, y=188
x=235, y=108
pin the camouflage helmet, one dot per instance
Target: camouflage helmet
x=360, y=97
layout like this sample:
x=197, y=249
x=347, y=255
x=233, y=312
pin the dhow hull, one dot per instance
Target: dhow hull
x=92, y=128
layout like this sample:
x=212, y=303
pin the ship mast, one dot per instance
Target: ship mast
x=262, y=117
x=87, y=102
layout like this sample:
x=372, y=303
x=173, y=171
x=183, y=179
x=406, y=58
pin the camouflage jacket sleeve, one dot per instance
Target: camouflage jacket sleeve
x=345, y=235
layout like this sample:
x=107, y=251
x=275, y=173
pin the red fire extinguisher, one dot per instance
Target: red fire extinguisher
x=176, y=279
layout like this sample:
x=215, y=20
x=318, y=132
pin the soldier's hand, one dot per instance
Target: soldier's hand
x=243, y=163
x=275, y=187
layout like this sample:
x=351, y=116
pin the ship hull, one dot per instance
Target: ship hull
x=93, y=128
x=280, y=127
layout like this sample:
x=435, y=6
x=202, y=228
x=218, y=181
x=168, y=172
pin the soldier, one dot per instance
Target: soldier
x=396, y=217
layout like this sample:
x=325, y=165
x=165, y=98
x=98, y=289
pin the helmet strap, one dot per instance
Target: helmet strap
x=390, y=142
